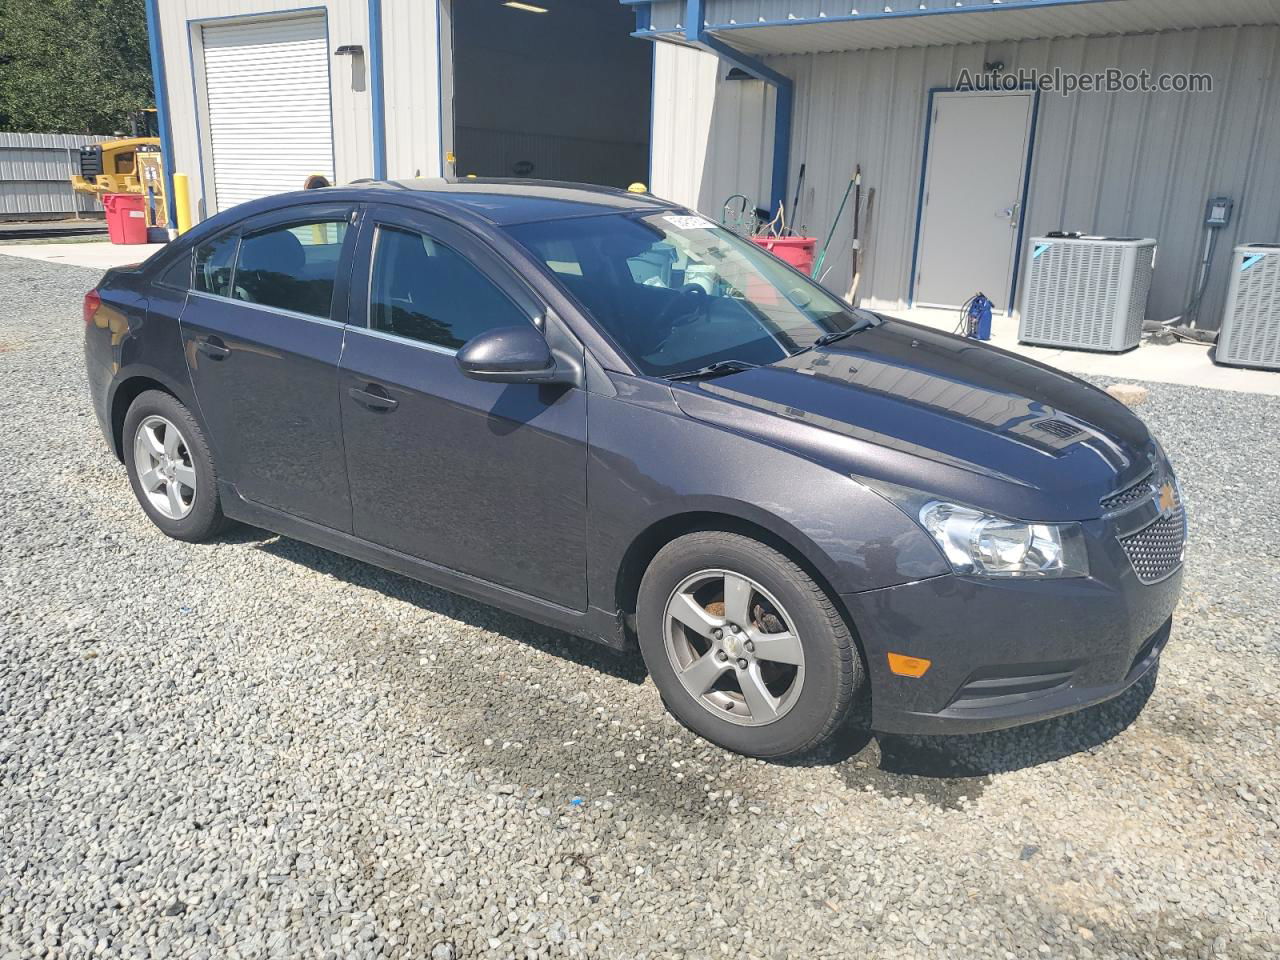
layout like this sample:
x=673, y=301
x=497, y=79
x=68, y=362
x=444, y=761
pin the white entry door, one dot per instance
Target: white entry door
x=975, y=172
x=270, y=122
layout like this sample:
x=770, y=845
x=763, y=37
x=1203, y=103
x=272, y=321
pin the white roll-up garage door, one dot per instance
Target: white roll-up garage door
x=270, y=123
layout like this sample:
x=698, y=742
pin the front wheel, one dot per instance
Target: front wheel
x=745, y=648
x=170, y=468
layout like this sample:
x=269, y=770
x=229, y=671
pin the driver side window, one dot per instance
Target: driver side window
x=422, y=290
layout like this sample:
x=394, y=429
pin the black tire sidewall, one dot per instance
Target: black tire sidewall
x=205, y=518
x=832, y=668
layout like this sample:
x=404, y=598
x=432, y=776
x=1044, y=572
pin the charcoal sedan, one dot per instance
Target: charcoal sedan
x=607, y=414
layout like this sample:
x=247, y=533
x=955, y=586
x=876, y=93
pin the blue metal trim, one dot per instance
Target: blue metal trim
x=160, y=90
x=695, y=15
x=195, y=112
x=695, y=33
x=377, y=94
x=644, y=14
x=440, y=91
x=990, y=7
x=653, y=103
x=924, y=172
x=1026, y=192
x=328, y=74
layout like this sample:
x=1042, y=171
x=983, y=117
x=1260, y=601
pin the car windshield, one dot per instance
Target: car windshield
x=679, y=293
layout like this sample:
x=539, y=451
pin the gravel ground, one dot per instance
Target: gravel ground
x=257, y=748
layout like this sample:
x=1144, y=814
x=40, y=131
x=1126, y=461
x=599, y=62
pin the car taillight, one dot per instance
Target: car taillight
x=92, y=301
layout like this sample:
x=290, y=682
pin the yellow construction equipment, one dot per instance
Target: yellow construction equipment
x=130, y=165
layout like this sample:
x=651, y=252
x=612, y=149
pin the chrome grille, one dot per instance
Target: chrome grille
x=1156, y=550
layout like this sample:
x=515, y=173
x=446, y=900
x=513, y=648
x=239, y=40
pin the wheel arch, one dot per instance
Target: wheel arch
x=122, y=397
x=645, y=546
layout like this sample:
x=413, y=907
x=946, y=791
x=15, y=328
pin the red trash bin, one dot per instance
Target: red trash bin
x=126, y=217
x=797, y=251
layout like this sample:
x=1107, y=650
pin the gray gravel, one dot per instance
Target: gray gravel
x=256, y=748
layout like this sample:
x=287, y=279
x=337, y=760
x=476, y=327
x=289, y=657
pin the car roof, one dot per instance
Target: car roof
x=509, y=201
x=494, y=202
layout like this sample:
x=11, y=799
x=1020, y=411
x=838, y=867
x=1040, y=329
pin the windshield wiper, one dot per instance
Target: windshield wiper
x=861, y=324
x=712, y=369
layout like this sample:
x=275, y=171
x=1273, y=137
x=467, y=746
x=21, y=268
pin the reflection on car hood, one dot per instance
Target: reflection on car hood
x=899, y=394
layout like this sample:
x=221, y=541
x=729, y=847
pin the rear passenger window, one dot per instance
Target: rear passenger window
x=178, y=275
x=291, y=268
x=214, y=262
x=425, y=291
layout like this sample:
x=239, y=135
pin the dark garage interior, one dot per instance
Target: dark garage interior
x=557, y=95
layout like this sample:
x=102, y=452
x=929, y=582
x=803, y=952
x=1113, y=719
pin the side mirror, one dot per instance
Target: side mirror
x=509, y=355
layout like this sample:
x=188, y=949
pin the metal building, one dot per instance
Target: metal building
x=734, y=96
x=747, y=90
x=256, y=95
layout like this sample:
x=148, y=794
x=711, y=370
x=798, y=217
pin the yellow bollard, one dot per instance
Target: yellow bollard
x=182, y=202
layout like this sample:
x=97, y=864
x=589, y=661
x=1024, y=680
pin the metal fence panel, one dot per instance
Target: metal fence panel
x=35, y=175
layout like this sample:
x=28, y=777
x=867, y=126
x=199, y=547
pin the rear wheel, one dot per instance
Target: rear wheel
x=170, y=468
x=745, y=648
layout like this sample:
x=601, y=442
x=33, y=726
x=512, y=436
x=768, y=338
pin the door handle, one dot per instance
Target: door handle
x=213, y=348
x=373, y=401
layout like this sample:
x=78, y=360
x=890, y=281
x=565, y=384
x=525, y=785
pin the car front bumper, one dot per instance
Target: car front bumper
x=1007, y=652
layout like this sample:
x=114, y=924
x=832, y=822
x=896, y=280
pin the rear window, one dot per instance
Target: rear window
x=178, y=274
x=291, y=268
x=214, y=262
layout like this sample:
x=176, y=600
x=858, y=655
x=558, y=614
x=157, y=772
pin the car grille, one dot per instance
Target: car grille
x=1156, y=550
x=1128, y=496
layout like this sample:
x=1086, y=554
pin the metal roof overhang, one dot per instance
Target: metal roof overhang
x=878, y=28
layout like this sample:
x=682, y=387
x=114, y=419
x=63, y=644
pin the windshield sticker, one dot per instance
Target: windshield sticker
x=690, y=223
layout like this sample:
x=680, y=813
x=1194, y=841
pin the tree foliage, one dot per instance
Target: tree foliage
x=73, y=66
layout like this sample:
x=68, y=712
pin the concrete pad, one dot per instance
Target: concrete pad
x=98, y=255
x=1180, y=363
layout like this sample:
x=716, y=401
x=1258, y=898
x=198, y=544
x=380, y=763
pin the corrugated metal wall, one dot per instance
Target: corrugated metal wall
x=35, y=176
x=180, y=22
x=413, y=31
x=711, y=137
x=1127, y=164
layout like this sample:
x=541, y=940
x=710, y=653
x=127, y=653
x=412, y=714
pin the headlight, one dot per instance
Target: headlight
x=984, y=545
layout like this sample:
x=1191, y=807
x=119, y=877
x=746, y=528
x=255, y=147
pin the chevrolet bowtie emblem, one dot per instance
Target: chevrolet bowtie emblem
x=1168, y=502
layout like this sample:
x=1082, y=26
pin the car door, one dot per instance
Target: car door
x=484, y=478
x=262, y=331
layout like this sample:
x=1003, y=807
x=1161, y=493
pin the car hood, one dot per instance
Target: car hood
x=907, y=405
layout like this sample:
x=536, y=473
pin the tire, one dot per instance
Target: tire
x=197, y=515
x=790, y=617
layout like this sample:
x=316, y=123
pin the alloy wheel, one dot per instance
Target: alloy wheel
x=733, y=647
x=165, y=471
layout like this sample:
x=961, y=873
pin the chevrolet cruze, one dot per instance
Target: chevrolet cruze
x=609, y=415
